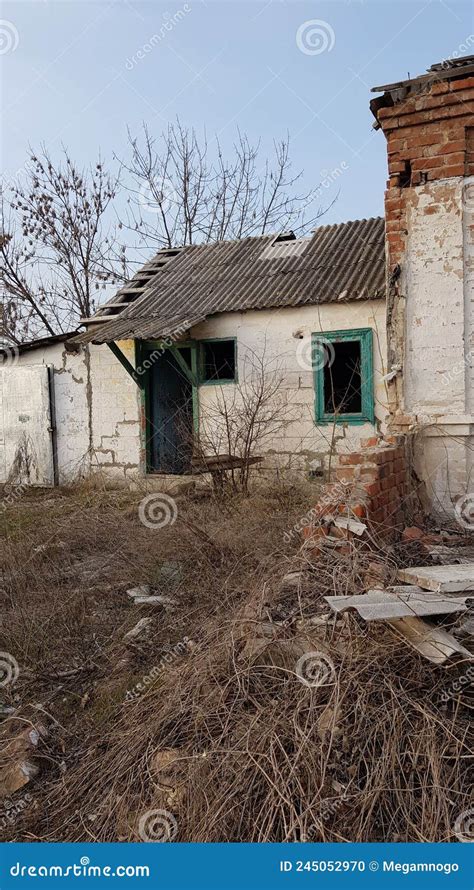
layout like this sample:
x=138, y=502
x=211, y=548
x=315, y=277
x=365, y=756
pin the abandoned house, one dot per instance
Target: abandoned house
x=363, y=328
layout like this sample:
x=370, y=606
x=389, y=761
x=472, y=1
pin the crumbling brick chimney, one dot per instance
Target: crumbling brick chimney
x=428, y=123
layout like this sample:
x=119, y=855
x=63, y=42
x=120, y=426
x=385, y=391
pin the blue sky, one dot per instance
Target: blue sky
x=78, y=73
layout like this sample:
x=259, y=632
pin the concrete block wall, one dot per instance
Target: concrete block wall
x=283, y=337
x=115, y=414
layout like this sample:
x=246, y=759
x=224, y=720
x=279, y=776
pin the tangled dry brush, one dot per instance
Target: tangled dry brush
x=230, y=739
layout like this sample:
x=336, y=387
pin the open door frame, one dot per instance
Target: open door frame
x=142, y=347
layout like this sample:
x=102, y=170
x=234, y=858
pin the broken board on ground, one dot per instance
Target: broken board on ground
x=434, y=643
x=398, y=602
x=441, y=579
x=401, y=607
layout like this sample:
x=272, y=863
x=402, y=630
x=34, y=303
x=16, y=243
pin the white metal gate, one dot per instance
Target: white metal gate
x=26, y=452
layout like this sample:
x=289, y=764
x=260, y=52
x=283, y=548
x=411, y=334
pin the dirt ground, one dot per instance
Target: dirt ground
x=196, y=713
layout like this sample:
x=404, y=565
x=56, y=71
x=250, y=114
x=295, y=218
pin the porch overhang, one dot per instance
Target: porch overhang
x=172, y=329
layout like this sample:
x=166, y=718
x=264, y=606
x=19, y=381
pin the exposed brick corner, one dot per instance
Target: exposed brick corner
x=372, y=485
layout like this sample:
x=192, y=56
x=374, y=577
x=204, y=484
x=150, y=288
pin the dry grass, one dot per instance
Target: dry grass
x=254, y=754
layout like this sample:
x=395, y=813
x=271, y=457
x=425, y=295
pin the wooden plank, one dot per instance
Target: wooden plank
x=433, y=643
x=137, y=378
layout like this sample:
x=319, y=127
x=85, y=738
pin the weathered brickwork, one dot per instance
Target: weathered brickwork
x=372, y=484
x=429, y=206
x=429, y=137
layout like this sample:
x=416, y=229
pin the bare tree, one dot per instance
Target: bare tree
x=182, y=192
x=57, y=246
x=243, y=421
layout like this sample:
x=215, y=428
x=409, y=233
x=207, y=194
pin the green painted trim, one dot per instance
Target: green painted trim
x=234, y=379
x=145, y=428
x=175, y=349
x=187, y=371
x=195, y=372
x=137, y=378
x=367, y=415
x=163, y=344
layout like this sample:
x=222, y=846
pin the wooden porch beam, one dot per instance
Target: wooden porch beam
x=137, y=378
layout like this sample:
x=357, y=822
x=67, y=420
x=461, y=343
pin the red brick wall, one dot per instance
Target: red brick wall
x=371, y=485
x=430, y=136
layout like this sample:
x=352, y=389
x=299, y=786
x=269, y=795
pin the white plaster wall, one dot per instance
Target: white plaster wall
x=439, y=366
x=434, y=272
x=115, y=413
x=275, y=333
x=97, y=412
x=98, y=404
x=70, y=387
x=25, y=440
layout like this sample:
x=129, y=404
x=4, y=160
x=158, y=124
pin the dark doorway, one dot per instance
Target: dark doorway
x=170, y=414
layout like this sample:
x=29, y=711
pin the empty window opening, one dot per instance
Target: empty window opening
x=342, y=378
x=218, y=360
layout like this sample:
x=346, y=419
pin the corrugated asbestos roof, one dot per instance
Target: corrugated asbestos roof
x=338, y=263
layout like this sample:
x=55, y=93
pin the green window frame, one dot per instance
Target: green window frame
x=364, y=336
x=201, y=355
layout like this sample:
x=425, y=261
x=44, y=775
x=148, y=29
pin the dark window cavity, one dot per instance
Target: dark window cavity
x=342, y=378
x=218, y=360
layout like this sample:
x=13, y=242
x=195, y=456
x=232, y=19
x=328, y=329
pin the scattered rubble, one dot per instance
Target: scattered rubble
x=141, y=629
x=141, y=590
x=18, y=766
x=142, y=596
x=428, y=592
x=154, y=600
